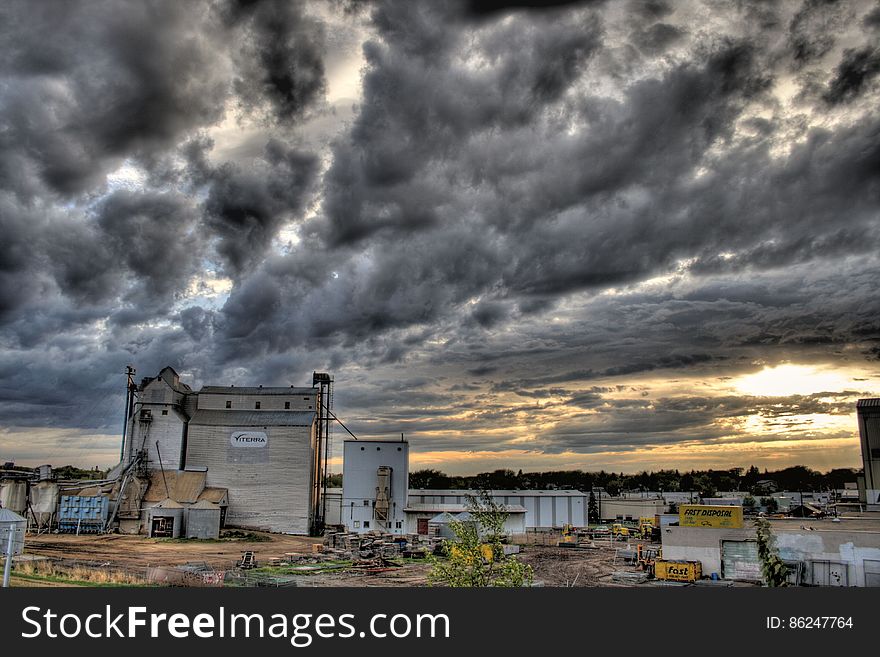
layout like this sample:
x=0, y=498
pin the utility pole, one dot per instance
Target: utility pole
x=129, y=382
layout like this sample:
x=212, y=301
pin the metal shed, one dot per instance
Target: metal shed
x=439, y=525
x=203, y=520
x=166, y=519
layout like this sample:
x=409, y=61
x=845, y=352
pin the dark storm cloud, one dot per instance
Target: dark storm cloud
x=88, y=84
x=657, y=38
x=857, y=68
x=531, y=218
x=872, y=19
x=153, y=236
x=245, y=207
x=421, y=105
x=812, y=31
x=281, y=57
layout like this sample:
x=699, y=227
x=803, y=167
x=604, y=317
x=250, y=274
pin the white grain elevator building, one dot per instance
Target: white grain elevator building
x=375, y=484
x=261, y=444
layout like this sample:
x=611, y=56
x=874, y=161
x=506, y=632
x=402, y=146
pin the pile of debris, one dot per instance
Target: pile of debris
x=624, y=577
x=372, y=545
x=193, y=573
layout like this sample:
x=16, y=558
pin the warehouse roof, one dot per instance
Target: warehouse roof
x=183, y=486
x=527, y=493
x=235, y=390
x=205, y=504
x=215, y=495
x=253, y=418
x=454, y=508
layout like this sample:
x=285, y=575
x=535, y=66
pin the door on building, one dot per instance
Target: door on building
x=829, y=573
x=423, y=526
x=739, y=560
x=872, y=572
x=162, y=527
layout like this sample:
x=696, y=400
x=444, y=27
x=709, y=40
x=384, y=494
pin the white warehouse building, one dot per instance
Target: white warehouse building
x=543, y=508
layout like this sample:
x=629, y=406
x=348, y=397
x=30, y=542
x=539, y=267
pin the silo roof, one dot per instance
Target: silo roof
x=168, y=503
x=234, y=390
x=10, y=516
x=205, y=504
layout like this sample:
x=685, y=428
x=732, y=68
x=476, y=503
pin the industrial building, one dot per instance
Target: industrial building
x=374, y=486
x=543, y=508
x=868, y=413
x=424, y=518
x=259, y=446
x=820, y=553
x=622, y=509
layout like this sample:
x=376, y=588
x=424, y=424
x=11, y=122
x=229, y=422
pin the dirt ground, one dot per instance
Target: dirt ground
x=553, y=566
x=124, y=551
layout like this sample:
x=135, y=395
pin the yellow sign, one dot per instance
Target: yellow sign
x=678, y=571
x=698, y=515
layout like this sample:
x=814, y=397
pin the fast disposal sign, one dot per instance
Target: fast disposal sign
x=698, y=515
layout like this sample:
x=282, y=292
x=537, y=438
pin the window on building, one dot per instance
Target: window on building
x=228, y=403
x=357, y=524
x=305, y=399
x=165, y=412
x=398, y=525
x=286, y=406
x=366, y=502
x=257, y=405
x=366, y=524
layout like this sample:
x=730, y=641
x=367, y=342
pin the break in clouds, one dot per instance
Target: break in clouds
x=525, y=238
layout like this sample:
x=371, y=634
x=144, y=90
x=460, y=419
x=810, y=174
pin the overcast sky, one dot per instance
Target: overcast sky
x=616, y=235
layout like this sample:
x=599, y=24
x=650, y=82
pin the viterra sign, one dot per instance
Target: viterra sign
x=698, y=515
x=248, y=439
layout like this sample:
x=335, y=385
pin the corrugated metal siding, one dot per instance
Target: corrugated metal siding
x=253, y=418
x=274, y=494
x=740, y=561
x=166, y=429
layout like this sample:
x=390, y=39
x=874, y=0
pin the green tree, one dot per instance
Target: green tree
x=592, y=509
x=475, y=558
x=703, y=483
x=770, y=504
x=428, y=478
x=749, y=504
x=773, y=569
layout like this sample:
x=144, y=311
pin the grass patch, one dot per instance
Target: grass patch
x=46, y=571
x=241, y=535
x=226, y=536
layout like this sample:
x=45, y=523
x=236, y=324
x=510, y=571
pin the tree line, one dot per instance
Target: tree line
x=706, y=482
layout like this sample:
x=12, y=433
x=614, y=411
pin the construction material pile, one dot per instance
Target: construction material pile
x=372, y=545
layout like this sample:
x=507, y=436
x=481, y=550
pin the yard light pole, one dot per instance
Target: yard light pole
x=8, y=566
